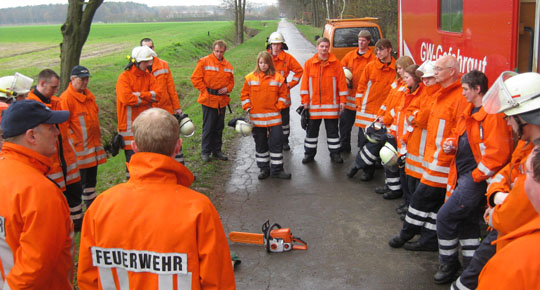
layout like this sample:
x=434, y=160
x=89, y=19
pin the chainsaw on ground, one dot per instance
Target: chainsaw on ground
x=275, y=239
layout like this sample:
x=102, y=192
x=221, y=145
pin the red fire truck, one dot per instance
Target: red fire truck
x=489, y=35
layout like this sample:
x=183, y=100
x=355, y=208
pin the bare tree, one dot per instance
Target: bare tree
x=75, y=32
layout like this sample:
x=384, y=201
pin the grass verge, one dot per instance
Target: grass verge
x=309, y=32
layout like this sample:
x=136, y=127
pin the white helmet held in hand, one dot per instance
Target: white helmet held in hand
x=18, y=84
x=187, y=128
x=389, y=155
x=348, y=75
x=142, y=53
x=243, y=127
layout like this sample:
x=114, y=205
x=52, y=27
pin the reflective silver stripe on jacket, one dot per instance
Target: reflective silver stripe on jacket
x=160, y=72
x=138, y=95
x=228, y=70
x=211, y=68
x=366, y=97
x=6, y=256
x=265, y=115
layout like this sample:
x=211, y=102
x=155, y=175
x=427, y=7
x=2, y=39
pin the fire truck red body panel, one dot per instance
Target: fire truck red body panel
x=488, y=40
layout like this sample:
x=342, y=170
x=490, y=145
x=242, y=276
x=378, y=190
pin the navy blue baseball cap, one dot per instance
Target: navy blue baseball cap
x=28, y=114
x=80, y=71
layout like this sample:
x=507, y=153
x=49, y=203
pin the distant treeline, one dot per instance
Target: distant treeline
x=110, y=12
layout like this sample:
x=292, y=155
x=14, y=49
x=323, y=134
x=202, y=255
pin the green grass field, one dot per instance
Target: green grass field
x=29, y=49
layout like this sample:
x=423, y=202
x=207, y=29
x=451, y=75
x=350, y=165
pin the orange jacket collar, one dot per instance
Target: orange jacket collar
x=214, y=58
x=331, y=58
x=528, y=228
x=158, y=168
x=27, y=156
x=384, y=66
x=79, y=96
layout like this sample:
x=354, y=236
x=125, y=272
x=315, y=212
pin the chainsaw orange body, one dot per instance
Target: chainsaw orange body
x=275, y=239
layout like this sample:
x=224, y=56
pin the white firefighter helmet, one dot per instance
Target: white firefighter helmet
x=243, y=127
x=276, y=37
x=389, y=155
x=348, y=75
x=142, y=53
x=18, y=84
x=426, y=70
x=513, y=94
x=187, y=128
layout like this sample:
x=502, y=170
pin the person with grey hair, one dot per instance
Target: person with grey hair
x=36, y=231
x=154, y=216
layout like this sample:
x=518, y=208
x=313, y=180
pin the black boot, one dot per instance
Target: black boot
x=447, y=273
x=265, y=173
x=352, y=172
x=281, y=175
x=308, y=158
x=336, y=157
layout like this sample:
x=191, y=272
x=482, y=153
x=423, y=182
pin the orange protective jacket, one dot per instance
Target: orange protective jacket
x=417, y=115
x=285, y=64
x=136, y=91
x=397, y=91
x=516, y=210
x=449, y=104
x=517, y=265
x=210, y=73
x=35, y=228
x=356, y=64
x=83, y=127
x=72, y=168
x=503, y=180
x=373, y=88
x=169, y=97
x=490, y=140
x=264, y=96
x=153, y=231
x=398, y=115
x=323, y=87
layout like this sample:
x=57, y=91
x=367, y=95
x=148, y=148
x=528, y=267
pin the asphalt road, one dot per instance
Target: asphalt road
x=345, y=224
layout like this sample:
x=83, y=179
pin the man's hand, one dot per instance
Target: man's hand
x=449, y=146
x=223, y=91
x=487, y=214
x=499, y=197
x=179, y=112
x=306, y=106
x=342, y=107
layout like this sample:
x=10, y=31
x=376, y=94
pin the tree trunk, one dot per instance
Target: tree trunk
x=239, y=15
x=75, y=32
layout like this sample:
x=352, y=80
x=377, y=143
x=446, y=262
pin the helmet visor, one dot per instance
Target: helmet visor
x=498, y=98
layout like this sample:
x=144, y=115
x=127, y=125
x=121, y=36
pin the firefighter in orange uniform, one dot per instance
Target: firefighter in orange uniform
x=429, y=195
x=355, y=60
x=64, y=170
x=373, y=88
x=482, y=144
x=153, y=232
x=264, y=95
x=214, y=78
x=169, y=100
x=417, y=115
x=509, y=208
x=517, y=265
x=136, y=91
x=324, y=92
x=35, y=227
x=84, y=130
x=285, y=64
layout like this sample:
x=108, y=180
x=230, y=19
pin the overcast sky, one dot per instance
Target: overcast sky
x=7, y=3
